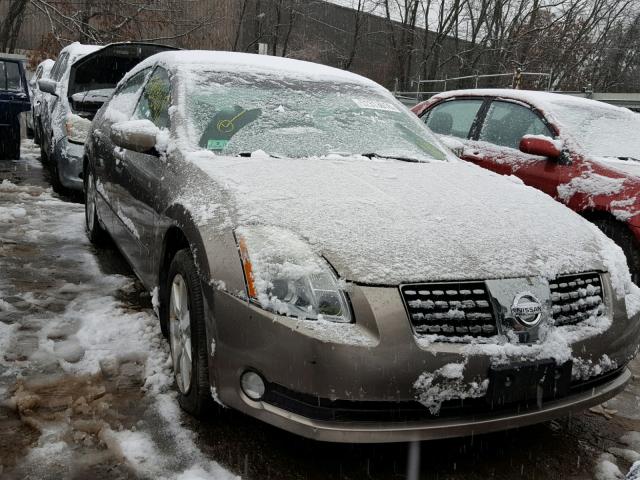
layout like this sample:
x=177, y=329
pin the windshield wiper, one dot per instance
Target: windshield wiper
x=392, y=157
x=626, y=158
x=249, y=154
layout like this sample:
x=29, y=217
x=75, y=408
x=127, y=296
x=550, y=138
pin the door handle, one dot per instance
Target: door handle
x=474, y=155
x=119, y=156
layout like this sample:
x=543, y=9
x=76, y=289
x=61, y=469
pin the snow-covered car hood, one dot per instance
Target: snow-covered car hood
x=631, y=166
x=389, y=222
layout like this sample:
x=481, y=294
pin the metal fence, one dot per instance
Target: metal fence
x=517, y=79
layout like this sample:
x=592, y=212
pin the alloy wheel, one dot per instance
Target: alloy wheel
x=180, y=333
x=90, y=202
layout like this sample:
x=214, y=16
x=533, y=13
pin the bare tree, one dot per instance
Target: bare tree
x=402, y=16
x=11, y=24
x=359, y=12
x=100, y=22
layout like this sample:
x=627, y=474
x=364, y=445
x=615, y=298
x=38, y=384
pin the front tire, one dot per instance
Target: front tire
x=44, y=157
x=56, y=184
x=36, y=132
x=187, y=335
x=620, y=233
x=97, y=235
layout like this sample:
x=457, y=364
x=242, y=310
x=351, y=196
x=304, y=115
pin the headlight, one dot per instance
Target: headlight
x=285, y=276
x=77, y=128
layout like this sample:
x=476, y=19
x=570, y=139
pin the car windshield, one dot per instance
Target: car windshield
x=232, y=114
x=602, y=131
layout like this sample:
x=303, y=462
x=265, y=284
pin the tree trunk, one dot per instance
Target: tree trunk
x=11, y=25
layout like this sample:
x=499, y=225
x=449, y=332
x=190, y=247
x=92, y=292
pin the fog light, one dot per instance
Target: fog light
x=252, y=385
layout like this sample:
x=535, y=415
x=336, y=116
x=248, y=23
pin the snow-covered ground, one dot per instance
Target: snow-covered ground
x=86, y=388
x=85, y=376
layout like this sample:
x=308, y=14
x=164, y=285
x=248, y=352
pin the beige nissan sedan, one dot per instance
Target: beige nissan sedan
x=322, y=263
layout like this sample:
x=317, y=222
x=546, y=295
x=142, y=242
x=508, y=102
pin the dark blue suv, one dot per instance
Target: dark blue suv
x=14, y=99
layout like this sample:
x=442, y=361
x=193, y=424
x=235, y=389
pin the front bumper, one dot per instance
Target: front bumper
x=68, y=157
x=436, y=428
x=378, y=359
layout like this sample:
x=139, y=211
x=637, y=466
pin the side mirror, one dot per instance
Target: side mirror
x=136, y=135
x=541, y=146
x=48, y=86
x=453, y=144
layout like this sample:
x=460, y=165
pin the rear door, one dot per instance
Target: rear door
x=14, y=95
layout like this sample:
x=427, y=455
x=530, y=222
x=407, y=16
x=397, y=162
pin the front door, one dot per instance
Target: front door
x=495, y=145
x=138, y=179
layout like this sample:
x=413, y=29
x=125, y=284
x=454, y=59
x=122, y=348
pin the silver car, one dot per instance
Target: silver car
x=37, y=99
x=321, y=262
x=82, y=78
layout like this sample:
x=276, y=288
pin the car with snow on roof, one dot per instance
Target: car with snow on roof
x=321, y=262
x=81, y=79
x=14, y=99
x=584, y=153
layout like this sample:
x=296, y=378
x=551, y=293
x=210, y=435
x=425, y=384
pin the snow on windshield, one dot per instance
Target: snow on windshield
x=233, y=114
x=601, y=130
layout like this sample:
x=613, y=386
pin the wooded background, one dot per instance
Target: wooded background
x=578, y=43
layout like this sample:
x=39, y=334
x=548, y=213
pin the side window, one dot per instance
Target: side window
x=59, y=67
x=134, y=84
x=506, y=123
x=10, y=77
x=156, y=99
x=454, y=117
x=14, y=82
x=123, y=101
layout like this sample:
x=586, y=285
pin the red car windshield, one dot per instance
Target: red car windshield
x=602, y=131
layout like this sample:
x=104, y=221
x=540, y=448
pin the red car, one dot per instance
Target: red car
x=584, y=153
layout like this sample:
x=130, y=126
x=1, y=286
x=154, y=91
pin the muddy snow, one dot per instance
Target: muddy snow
x=85, y=379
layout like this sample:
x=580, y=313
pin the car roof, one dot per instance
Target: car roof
x=14, y=59
x=77, y=48
x=46, y=64
x=543, y=100
x=248, y=62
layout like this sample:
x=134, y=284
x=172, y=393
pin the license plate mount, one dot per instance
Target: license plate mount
x=527, y=382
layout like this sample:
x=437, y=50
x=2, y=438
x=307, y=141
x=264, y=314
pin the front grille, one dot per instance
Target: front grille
x=450, y=309
x=575, y=298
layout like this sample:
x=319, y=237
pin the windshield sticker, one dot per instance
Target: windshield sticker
x=225, y=124
x=217, y=144
x=375, y=105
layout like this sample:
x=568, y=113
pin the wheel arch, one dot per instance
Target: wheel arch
x=182, y=232
x=597, y=214
x=626, y=239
